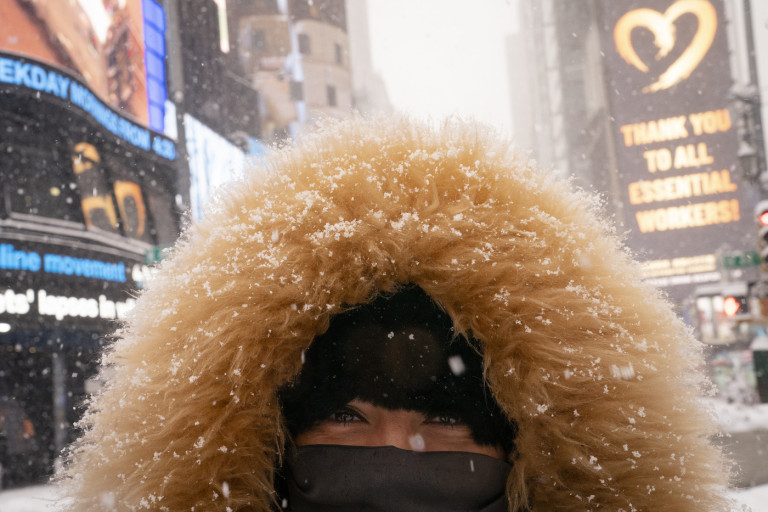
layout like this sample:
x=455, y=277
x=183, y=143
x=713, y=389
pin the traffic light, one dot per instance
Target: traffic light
x=761, y=216
x=735, y=306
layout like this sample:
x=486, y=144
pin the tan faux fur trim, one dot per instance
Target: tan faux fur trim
x=591, y=363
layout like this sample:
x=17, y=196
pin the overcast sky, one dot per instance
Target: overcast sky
x=442, y=57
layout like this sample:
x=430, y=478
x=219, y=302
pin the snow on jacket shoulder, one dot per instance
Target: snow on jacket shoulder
x=591, y=363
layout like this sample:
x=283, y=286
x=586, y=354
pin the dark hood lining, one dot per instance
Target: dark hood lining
x=398, y=352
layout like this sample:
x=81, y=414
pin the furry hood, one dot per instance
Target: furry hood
x=592, y=365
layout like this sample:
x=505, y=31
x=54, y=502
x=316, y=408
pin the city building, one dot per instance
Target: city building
x=656, y=105
x=594, y=77
x=265, y=71
x=296, y=54
x=88, y=188
x=369, y=91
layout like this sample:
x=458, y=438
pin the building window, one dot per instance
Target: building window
x=258, y=41
x=331, y=92
x=304, y=46
x=339, y=55
x=297, y=91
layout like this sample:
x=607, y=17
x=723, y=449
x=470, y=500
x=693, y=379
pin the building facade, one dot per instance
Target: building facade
x=596, y=75
x=87, y=189
x=296, y=54
x=655, y=104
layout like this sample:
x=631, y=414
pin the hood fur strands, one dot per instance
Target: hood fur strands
x=589, y=362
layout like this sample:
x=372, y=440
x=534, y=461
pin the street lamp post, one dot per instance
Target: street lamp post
x=751, y=152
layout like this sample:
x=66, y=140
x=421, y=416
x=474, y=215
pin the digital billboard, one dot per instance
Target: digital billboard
x=667, y=79
x=46, y=287
x=117, y=48
x=88, y=190
x=213, y=161
x=85, y=192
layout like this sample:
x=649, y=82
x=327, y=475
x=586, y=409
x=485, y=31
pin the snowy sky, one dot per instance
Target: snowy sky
x=442, y=57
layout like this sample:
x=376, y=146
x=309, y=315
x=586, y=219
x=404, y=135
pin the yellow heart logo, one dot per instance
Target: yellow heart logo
x=662, y=26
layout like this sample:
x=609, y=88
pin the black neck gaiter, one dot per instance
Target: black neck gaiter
x=324, y=478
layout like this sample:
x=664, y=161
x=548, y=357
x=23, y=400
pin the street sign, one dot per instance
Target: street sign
x=156, y=254
x=741, y=260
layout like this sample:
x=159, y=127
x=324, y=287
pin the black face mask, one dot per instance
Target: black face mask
x=324, y=478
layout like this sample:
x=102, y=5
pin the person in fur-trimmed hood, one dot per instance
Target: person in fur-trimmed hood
x=534, y=341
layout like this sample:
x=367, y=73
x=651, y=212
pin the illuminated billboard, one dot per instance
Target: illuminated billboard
x=117, y=48
x=46, y=287
x=86, y=191
x=213, y=161
x=668, y=80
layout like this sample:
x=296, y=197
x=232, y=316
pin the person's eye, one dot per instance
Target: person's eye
x=445, y=420
x=346, y=415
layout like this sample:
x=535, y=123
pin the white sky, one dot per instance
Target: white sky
x=443, y=57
